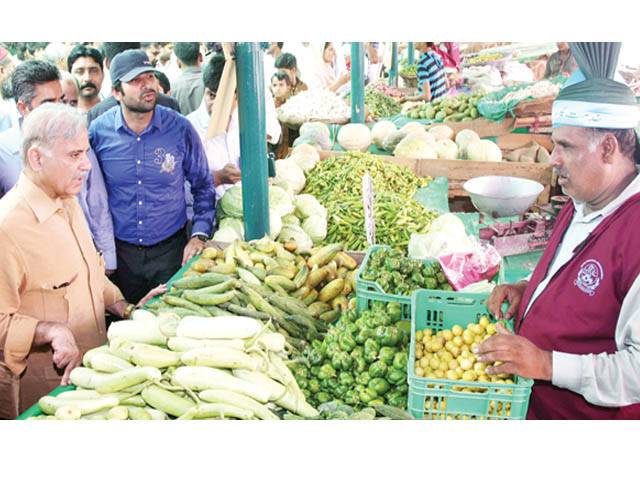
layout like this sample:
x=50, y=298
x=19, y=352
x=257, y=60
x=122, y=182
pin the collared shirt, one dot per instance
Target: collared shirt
x=599, y=378
x=431, y=70
x=145, y=175
x=92, y=197
x=50, y=272
x=188, y=89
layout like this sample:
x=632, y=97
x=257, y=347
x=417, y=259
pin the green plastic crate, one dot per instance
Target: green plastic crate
x=368, y=291
x=440, y=310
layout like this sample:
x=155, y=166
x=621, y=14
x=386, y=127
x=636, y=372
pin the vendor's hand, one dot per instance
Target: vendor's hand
x=194, y=247
x=229, y=174
x=159, y=290
x=65, y=350
x=511, y=293
x=520, y=356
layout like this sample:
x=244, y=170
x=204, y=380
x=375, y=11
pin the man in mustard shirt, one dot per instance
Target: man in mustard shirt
x=53, y=289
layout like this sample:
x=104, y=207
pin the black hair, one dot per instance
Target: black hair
x=164, y=81
x=28, y=75
x=83, y=51
x=280, y=45
x=281, y=75
x=187, y=52
x=326, y=44
x=286, y=60
x=212, y=72
x=111, y=49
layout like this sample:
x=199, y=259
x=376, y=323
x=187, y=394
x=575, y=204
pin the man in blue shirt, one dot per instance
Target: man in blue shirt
x=146, y=152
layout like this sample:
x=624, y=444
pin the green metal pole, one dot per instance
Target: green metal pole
x=253, y=140
x=357, y=83
x=393, y=73
x=410, y=53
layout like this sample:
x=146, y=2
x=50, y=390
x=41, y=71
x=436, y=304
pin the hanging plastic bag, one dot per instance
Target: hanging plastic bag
x=462, y=269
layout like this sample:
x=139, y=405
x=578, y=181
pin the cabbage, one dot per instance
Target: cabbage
x=380, y=130
x=290, y=219
x=226, y=234
x=426, y=136
x=448, y=223
x=289, y=171
x=280, y=201
x=306, y=156
x=298, y=235
x=231, y=202
x=316, y=227
x=319, y=145
x=411, y=127
x=415, y=147
x=393, y=139
x=432, y=245
x=275, y=224
x=441, y=132
x=484, y=151
x=236, y=223
x=354, y=137
x=307, y=205
x=446, y=149
x=317, y=130
x=463, y=139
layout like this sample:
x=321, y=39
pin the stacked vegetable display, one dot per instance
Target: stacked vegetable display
x=302, y=293
x=398, y=275
x=337, y=183
x=462, y=107
x=314, y=104
x=379, y=104
x=157, y=367
x=419, y=142
x=361, y=361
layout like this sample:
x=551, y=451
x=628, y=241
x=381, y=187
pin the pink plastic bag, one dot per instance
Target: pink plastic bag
x=462, y=269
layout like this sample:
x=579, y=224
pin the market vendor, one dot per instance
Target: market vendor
x=577, y=320
x=53, y=288
x=146, y=152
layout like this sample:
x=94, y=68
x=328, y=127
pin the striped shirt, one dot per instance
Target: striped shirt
x=431, y=69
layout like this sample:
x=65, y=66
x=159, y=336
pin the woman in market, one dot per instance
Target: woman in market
x=326, y=75
x=577, y=319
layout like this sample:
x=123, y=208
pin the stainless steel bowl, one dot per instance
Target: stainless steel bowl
x=501, y=196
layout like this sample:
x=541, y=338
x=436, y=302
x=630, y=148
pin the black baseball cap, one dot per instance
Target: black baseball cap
x=127, y=65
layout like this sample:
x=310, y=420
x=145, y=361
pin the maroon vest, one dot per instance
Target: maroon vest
x=578, y=310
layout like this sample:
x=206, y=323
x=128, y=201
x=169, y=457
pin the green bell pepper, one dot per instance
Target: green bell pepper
x=363, y=378
x=380, y=385
x=346, y=378
x=326, y=372
x=322, y=397
x=394, y=310
x=387, y=354
x=367, y=395
x=316, y=357
x=351, y=398
x=377, y=369
x=396, y=377
x=400, y=361
x=346, y=342
x=360, y=365
x=313, y=385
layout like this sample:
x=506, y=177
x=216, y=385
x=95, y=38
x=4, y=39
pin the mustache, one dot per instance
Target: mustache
x=88, y=84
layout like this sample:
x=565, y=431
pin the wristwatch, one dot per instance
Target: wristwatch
x=128, y=310
x=201, y=237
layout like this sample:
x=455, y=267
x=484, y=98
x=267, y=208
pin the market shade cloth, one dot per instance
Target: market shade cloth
x=591, y=98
